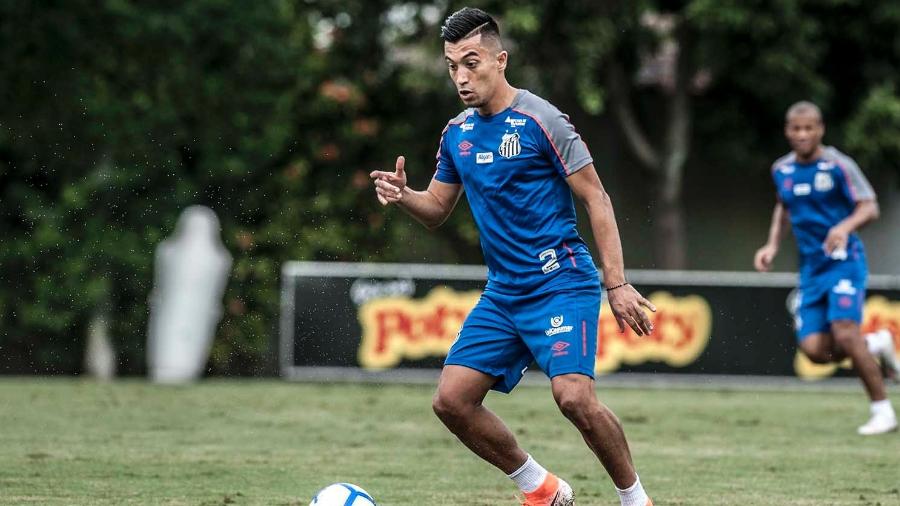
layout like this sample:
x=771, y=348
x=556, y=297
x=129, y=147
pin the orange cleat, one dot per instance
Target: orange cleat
x=553, y=492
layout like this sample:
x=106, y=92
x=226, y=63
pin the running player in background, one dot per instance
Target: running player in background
x=825, y=198
x=520, y=160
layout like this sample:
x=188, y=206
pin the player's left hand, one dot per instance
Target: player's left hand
x=627, y=306
x=836, y=240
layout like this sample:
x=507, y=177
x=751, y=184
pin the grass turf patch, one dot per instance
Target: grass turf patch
x=276, y=443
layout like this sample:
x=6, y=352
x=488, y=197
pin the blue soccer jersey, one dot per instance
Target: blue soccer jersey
x=819, y=195
x=513, y=167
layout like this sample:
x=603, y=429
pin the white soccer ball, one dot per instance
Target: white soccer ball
x=342, y=494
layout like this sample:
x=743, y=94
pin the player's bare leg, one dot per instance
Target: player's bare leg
x=458, y=403
x=845, y=341
x=820, y=348
x=849, y=340
x=601, y=430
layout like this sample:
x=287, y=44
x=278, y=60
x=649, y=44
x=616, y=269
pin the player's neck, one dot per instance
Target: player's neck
x=500, y=101
x=811, y=157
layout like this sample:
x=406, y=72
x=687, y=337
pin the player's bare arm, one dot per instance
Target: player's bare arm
x=430, y=207
x=626, y=303
x=865, y=212
x=762, y=261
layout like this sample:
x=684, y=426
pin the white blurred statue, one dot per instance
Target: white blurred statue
x=190, y=273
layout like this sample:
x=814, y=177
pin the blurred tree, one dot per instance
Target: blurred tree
x=673, y=72
x=118, y=114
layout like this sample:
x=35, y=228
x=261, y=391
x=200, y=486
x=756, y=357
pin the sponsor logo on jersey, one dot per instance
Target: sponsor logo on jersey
x=825, y=165
x=484, y=158
x=823, y=182
x=510, y=145
x=464, y=148
x=557, y=327
x=786, y=169
x=844, y=287
x=515, y=122
x=466, y=127
x=802, y=189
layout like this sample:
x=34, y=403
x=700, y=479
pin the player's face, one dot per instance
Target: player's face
x=804, y=132
x=476, y=70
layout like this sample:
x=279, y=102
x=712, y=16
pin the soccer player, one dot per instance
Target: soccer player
x=520, y=160
x=825, y=197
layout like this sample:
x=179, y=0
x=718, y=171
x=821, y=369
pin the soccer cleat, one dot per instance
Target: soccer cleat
x=879, y=424
x=553, y=492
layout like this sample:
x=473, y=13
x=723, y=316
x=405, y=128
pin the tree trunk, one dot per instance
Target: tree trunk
x=669, y=234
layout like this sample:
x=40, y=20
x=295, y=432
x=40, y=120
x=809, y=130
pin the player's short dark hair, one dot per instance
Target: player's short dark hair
x=468, y=22
x=803, y=107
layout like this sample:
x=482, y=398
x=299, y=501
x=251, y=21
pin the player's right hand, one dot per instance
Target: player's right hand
x=389, y=186
x=764, y=256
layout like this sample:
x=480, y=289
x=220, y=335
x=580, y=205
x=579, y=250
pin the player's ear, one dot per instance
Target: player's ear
x=502, y=59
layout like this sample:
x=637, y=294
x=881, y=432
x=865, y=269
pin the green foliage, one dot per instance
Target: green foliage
x=118, y=114
x=873, y=134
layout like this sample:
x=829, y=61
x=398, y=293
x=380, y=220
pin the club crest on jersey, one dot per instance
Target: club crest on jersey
x=510, y=145
x=823, y=182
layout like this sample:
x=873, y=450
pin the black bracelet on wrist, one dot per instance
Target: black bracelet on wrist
x=617, y=286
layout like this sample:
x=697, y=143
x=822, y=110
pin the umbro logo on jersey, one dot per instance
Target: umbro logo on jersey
x=464, y=148
x=510, y=145
x=515, y=122
x=484, y=158
x=559, y=348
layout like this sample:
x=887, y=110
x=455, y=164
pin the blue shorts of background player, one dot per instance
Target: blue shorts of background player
x=833, y=295
x=505, y=333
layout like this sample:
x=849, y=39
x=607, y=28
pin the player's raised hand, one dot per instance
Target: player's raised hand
x=389, y=185
x=762, y=261
x=627, y=306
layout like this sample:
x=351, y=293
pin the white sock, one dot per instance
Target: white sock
x=633, y=495
x=882, y=407
x=530, y=476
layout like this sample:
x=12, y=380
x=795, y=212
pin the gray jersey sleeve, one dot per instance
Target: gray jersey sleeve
x=859, y=186
x=561, y=143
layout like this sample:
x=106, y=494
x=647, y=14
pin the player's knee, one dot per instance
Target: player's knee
x=819, y=357
x=575, y=406
x=448, y=408
x=846, y=334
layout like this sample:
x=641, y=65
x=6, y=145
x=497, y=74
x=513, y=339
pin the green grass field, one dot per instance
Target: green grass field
x=249, y=442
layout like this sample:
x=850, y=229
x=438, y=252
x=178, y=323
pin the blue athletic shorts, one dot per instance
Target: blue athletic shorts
x=837, y=294
x=504, y=333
